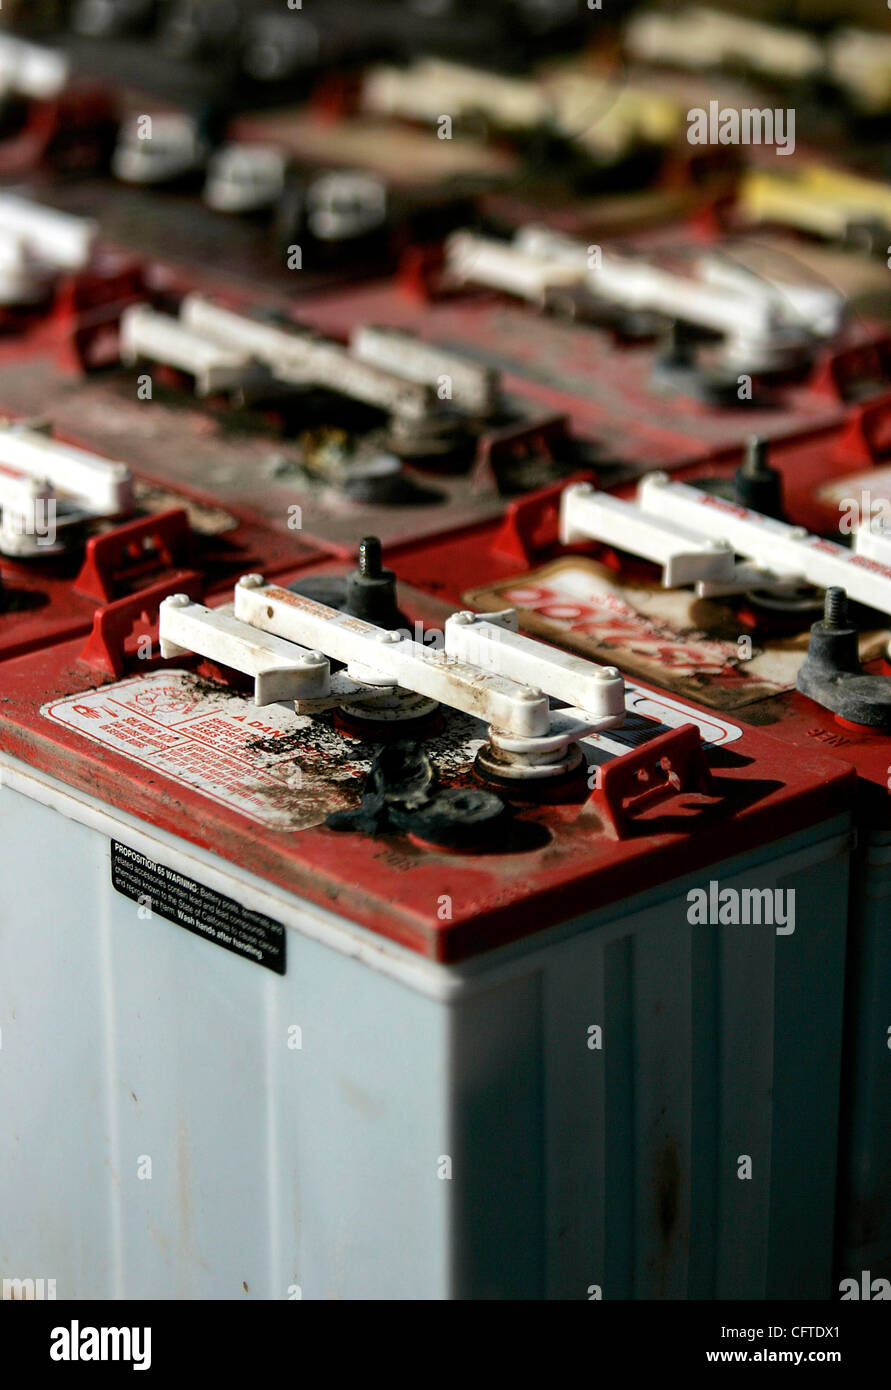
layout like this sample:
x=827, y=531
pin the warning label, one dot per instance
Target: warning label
x=267, y=764
x=282, y=769
x=197, y=908
x=688, y=645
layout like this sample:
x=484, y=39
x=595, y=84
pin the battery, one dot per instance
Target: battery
x=513, y=398
x=325, y=459
x=740, y=656
x=518, y=399
x=178, y=538
x=448, y=1040
x=831, y=478
x=642, y=399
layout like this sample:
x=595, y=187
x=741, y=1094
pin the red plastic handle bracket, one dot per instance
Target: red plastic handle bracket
x=499, y=447
x=532, y=523
x=672, y=763
x=867, y=435
x=105, y=648
x=839, y=369
x=110, y=556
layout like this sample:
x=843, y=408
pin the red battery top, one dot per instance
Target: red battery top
x=609, y=606
x=609, y=389
x=830, y=477
x=255, y=785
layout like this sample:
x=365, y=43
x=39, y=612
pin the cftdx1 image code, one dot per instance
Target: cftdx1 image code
x=197, y=908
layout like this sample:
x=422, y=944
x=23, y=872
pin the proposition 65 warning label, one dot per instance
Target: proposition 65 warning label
x=197, y=908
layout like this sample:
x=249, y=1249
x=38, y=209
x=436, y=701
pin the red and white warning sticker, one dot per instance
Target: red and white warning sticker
x=684, y=644
x=202, y=736
x=273, y=765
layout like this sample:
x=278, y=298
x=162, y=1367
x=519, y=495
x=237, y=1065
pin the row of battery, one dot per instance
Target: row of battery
x=689, y=535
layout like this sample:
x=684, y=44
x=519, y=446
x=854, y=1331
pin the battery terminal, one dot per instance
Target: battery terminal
x=287, y=643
